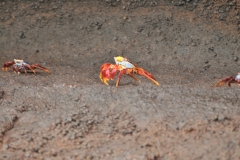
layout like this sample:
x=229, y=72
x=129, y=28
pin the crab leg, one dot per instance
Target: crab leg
x=120, y=76
x=16, y=69
x=129, y=73
x=227, y=80
x=147, y=75
x=28, y=67
x=34, y=66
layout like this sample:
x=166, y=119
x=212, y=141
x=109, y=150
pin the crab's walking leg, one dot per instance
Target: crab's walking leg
x=147, y=75
x=25, y=71
x=28, y=67
x=131, y=75
x=120, y=76
x=16, y=69
x=19, y=71
x=231, y=81
x=34, y=66
x=128, y=72
x=227, y=80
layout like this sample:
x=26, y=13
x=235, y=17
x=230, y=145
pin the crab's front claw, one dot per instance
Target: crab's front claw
x=147, y=75
x=107, y=72
x=103, y=79
x=7, y=64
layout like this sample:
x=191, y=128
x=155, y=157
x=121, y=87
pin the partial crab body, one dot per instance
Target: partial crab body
x=229, y=80
x=238, y=78
x=21, y=67
x=123, y=62
x=19, y=64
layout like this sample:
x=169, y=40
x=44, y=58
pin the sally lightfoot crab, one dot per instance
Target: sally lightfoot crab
x=230, y=80
x=20, y=66
x=124, y=66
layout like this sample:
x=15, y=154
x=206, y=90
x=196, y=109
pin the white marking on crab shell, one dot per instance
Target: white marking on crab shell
x=124, y=63
x=237, y=78
x=18, y=61
x=18, y=64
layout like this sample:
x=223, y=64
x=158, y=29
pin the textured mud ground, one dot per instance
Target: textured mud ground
x=69, y=114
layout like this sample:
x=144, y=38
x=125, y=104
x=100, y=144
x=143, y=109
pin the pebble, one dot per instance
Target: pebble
x=5, y=146
x=53, y=152
x=115, y=38
x=220, y=117
x=27, y=154
x=21, y=35
x=235, y=58
x=89, y=158
x=211, y=48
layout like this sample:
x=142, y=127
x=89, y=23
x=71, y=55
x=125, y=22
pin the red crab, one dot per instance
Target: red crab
x=230, y=80
x=124, y=66
x=19, y=66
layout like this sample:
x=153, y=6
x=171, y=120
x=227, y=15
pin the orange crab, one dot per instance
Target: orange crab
x=19, y=66
x=124, y=66
x=230, y=80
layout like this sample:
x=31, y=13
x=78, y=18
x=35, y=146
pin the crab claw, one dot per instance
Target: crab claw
x=107, y=72
x=7, y=64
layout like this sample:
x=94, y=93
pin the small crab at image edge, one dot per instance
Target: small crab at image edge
x=123, y=66
x=19, y=66
x=229, y=80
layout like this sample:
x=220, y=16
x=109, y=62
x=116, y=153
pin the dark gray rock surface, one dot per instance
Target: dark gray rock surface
x=188, y=46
